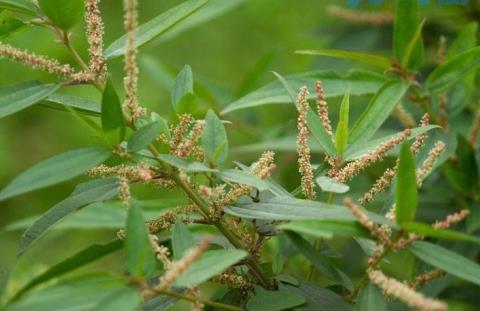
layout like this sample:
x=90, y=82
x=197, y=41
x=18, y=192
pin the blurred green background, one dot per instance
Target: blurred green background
x=231, y=55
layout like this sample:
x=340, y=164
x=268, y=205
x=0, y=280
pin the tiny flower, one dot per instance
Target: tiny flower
x=322, y=108
x=93, y=20
x=427, y=165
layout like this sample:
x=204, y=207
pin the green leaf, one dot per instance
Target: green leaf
x=82, y=293
x=182, y=86
x=182, y=240
x=187, y=166
x=144, y=136
x=454, y=70
x=80, y=104
x=9, y=23
x=341, y=133
x=214, y=139
x=57, y=169
x=317, y=298
x=208, y=265
x=360, y=149
x=19, y=96
x=377, y=111
x=412, y=45
x=155, y=27
x=21, y=6
x=326, y=229
x=406, y=187
x=85, y=256
x=85, y=193
x=365, y=58
x=112, y=113
x=212, y=10
x=318, y=260
x=327, y=184
x=242, y=177
x=358, y=82
x=447, y=261
x=445, y=234
x=267, y=300
x=297, y=209
x=127, y=299
x=291, y=92
x=319, y=132
x=371, y=298
x=139, y=254
x=465, y=40
x=407, y=20
x=64, y=14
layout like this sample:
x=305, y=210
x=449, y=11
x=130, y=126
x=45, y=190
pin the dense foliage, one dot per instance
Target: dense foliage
x=378, y=211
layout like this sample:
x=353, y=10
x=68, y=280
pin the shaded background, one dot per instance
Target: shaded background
x=230, y=55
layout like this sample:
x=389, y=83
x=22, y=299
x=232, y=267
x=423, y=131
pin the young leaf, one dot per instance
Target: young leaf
x=140, y=257
x=326, y=229
x=86, y=193
x=21, y=6
x=182, y=240
x=414, y=41
x=327, y=184
x=358, y=82
x=377, y=111
x=267, y=300
x=318, y=260
x=407, y=20
x=112, y=113
x=242, y=177
x=447, y=261
x=64, y=14
x=85, y=256
x=341, y=133
x=182, y=86
x=144, y=136
x=365, y=58
x=19, y=96
x=454, y=70
x=208, y=265
x=214, y=139
x=406, y=187
x=320, y=133
x=371, y=298
x=155, y=27
x=57, y=169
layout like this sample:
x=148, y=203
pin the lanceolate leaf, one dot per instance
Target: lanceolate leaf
x=144, y=136
x=64, y=14
x=126, y=298
x=359, y=83
x=407, y=19
x=57, y=169
x=341, y=133
x=242, y=177
x=9, y=23
x=320, y=133
x=377, y=112
x=371, y=298
x=326, y=229
x=140, y=257
x=328, y=184
x=267, y=300
x=86, y=193
x=22, y=6
x=112, y=113
x=182, y=240
x=80, y=104
x=412, y=45
x=208, y=265
x=156, y=26
x=187, y=166
x=447, y=261
x=454, y=70
x=183, y=85
x=370, y=59
x=17, y=97
x=406, y=187
x=214, y=139
x=445, y=234
x=85, y=256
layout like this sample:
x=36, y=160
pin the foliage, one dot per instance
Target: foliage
x=218, y=226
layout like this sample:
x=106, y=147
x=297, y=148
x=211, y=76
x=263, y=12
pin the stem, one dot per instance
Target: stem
x=201, y=300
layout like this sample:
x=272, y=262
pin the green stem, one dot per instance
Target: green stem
x=201, y=300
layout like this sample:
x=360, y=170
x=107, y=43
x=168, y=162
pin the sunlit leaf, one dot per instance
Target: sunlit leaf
x=341, y=133
x=444, y=234
x=326, y=229
x=64, y=14
x=21, y=6
x=9, y=23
